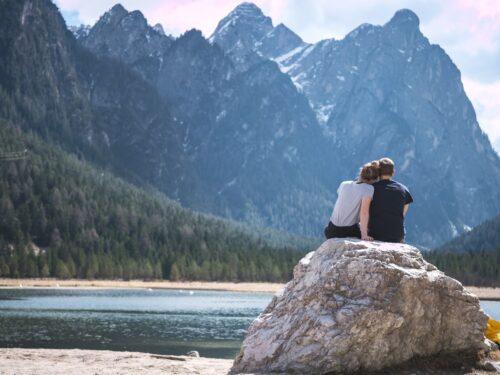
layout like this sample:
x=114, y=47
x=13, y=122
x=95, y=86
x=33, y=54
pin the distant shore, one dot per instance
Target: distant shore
x=484, y=293
x=156, y=284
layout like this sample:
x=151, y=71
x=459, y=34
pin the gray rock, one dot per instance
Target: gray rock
x=491, y=366
x=193, y=353
x=489, y=345
x=355, y=305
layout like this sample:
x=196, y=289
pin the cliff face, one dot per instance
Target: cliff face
x=385, y=90
x=254, y=124
x=380, y=91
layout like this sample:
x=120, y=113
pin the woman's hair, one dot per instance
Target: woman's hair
x=369, y=172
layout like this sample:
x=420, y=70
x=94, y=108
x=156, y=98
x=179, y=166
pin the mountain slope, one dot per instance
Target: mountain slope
x=486, y=236
x=63, y=217
x=256, y=125
x=250, y=137
x=386, y=91
x=473, y=257
x=96, y=107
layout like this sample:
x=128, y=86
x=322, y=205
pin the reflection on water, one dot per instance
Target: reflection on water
x=155, y=321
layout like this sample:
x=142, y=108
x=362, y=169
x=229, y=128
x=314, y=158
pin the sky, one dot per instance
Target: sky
x=468, y=30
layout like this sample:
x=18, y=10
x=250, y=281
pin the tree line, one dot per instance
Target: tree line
x=62, y=217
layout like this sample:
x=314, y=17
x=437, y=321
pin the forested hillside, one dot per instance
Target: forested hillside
x=61, y=217
x=473, y=267
x=474, y=257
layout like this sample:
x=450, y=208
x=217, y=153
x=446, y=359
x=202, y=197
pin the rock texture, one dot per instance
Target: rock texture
x=355, y=305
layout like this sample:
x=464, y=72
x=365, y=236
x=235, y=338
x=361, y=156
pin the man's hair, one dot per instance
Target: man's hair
x=369, y=172
x=386, y=167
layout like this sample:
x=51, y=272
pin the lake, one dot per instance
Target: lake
x=156, y=321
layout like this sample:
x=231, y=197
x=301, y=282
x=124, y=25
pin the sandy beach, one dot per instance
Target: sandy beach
x=104, y=362
x=164, y=284
x=20, y=361
x=484, y=293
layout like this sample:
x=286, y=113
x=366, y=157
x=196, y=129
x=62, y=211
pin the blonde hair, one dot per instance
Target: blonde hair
x=369, y=172
x=386, y=167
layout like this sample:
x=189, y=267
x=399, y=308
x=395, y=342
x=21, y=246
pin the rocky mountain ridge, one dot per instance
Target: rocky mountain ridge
x=269, y=125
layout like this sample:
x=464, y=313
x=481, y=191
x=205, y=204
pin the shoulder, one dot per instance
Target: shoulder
x=366, y=189
x=403, y=187
x=345, y=183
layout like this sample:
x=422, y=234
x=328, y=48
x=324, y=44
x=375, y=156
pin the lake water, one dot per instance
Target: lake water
x=154, y=321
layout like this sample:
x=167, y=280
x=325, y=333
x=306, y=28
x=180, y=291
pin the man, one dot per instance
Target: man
x=389, y=206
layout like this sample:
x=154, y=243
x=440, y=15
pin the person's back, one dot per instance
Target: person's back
x=389, y=206
x=347, y=207
x=351, y=212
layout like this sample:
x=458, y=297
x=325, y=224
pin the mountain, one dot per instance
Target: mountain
x=62, y=217
x=244, y=132
x=95, y=107
x=248, y=36
x=386, y=91
x=127, y=36
x=253, y=124
x=472, y=257
x=485, y=237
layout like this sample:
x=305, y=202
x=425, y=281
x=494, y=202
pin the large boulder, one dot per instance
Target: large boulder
x=356, y=305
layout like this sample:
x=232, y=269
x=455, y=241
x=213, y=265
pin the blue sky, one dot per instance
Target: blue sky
x=468, y=30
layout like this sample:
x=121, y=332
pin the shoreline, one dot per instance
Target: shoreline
x=247, y=287
x=105, y=362
x=484, y=293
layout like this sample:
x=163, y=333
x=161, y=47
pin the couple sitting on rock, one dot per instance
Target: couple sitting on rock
x=371, y=208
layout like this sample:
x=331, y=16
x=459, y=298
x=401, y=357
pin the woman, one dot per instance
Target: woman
x=352, y=209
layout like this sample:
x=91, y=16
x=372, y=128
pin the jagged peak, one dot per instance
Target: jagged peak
x=192, y=35
x=118, y=9
x=282, y=28
x=405, y=18
x=247, y=8
x=114, y=15
x=159, y=29
x=363, y=28
x=136, y=14
x=245, y=13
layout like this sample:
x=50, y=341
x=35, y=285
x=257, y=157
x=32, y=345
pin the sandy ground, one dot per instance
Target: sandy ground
x=104, y=362
x=485, y=293
x=481, y=292
x=195, y=285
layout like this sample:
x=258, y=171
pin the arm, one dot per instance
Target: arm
x=364, y=216
x=405, y=209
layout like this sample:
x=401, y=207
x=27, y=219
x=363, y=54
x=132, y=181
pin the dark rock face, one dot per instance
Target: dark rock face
x=128, y=37
x=386, y=91
x=95, y=107
x=239, y=33
x=254, y=124
x=278, y=42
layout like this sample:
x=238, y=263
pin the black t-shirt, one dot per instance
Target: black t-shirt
x=386, y=211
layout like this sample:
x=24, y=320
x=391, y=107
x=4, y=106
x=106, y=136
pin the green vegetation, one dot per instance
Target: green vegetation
x=474, y=267
x=63, y=218
x=474, y=257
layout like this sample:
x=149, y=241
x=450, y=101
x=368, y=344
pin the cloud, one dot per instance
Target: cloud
x=468, y=30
